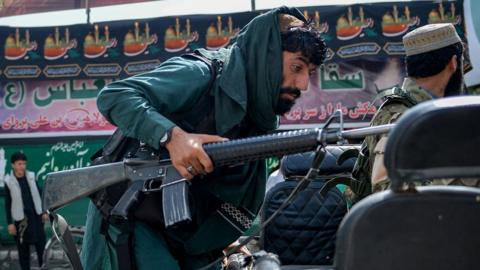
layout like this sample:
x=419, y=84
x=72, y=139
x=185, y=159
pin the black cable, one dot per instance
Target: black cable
x=313, y=172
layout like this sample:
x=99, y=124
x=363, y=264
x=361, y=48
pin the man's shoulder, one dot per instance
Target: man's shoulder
x=8, y=177
x=30, y=174
x=415, y=91
x=183, y=70
x=186, y=64
x=388, y=113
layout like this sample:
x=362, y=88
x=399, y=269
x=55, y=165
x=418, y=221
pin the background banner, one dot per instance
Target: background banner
x=49, y=76
x=52, y=107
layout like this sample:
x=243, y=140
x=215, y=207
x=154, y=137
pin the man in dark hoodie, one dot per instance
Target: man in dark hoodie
x=263, y=72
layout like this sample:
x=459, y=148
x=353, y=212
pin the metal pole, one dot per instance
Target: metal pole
x=367, y=131
x=253, y=4
x=87, y=10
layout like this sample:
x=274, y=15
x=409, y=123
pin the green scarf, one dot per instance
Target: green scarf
x=249, y=83
x=252, y=75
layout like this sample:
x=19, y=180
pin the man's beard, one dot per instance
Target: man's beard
x=285, y=105
x=455, y=84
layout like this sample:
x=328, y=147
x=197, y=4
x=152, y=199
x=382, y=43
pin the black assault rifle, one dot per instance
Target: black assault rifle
x=145, y=176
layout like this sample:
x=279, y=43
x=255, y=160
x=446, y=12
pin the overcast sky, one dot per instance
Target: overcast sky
x=158, y=9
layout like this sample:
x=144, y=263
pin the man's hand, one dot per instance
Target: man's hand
x=187, y=154
x=45, y=218
x=12, y=230
x=243, y=250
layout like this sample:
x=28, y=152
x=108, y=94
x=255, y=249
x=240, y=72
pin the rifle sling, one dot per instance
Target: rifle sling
x=71, y=250
x=66, y=241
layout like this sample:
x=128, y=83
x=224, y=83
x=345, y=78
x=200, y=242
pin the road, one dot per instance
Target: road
x=9, y=259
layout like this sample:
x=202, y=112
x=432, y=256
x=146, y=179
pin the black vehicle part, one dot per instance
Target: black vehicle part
x=433, y=227
x=304, y=232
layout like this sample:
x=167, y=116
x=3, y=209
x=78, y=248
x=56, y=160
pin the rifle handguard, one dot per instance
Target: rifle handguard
x=255, y=148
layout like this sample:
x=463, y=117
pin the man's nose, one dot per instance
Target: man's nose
x=302, y=83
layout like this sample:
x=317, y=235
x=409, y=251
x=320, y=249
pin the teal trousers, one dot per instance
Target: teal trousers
x=150, y=248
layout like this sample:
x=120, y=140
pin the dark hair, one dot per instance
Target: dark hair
x=306, y=39
x=431, y=63
x=18, y=156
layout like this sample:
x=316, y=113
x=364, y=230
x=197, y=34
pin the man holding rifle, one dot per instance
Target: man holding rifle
x=241, y=90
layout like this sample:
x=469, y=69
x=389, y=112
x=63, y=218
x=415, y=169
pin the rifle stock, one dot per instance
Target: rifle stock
x=67, y=186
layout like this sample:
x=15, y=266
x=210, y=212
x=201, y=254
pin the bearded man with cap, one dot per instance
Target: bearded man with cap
x=261, y=75
x=435, y=68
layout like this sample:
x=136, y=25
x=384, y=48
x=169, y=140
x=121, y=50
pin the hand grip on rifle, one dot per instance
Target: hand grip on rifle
x=128, y=199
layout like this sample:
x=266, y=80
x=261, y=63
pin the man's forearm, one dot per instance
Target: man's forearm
x=133, y=115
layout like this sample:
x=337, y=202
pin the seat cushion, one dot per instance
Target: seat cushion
x=304, y=232
x=434, y=228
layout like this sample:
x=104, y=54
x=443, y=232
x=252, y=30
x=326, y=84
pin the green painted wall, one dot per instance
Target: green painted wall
x=47, y=157
x=64, y=154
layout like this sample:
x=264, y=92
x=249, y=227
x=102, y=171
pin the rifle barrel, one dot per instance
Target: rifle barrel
x=279, y=144
x=261, y=147
x=361, y=133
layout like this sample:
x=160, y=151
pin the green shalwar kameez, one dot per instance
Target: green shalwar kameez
x=248, y=86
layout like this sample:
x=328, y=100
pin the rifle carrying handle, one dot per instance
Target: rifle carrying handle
x=127, y=201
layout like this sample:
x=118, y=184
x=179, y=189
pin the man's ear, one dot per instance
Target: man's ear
x=453, y=64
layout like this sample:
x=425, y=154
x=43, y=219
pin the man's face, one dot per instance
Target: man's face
x=19, y=166
x=296, y=74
